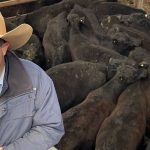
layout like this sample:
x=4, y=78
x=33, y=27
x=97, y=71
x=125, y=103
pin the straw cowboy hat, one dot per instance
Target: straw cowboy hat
x=16, y=37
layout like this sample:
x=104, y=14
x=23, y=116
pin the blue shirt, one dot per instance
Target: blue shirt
x=30, y=116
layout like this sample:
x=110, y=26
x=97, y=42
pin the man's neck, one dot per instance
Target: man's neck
x=2, y=67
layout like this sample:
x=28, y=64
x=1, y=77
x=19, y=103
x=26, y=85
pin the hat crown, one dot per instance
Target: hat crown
x=23, y=32
x=2, y=25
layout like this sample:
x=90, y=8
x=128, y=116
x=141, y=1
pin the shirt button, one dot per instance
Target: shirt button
x=30, y=96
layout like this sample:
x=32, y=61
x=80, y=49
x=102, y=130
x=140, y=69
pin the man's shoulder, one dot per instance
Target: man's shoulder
x=34, y=71
x=30, y=66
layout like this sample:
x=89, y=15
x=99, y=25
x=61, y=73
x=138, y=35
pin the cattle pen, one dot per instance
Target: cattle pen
x=97, y=54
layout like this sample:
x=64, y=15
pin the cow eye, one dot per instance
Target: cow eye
x=115, y=42
x=121, y=78
x=82, y=19
x=143, y=64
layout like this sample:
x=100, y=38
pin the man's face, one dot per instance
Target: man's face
x=3, y=49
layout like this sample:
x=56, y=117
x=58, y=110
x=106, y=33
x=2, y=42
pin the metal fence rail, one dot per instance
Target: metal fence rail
x=14, y=2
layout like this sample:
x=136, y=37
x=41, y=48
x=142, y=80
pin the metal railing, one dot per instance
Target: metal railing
x=14, y=2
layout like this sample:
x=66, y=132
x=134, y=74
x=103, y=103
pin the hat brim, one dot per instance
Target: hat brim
x=18, y=36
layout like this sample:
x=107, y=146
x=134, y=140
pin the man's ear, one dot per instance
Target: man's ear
x=5, y=48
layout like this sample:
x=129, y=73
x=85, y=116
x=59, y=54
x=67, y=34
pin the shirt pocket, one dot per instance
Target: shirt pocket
x=21, y=107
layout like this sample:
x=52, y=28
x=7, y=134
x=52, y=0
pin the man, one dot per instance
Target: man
x=30, y=116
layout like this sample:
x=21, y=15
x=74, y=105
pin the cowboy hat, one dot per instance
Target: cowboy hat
x=16, y=37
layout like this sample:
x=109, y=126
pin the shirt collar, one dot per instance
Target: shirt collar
x=15, y=75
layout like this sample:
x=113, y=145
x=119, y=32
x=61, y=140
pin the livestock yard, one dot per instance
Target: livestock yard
x=97, y=54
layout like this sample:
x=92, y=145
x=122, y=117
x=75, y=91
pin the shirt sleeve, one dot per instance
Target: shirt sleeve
x=47, y=128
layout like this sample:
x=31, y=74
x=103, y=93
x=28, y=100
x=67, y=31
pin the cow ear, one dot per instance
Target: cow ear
x=111, y=71
x=114, y=62
x=112, y=68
